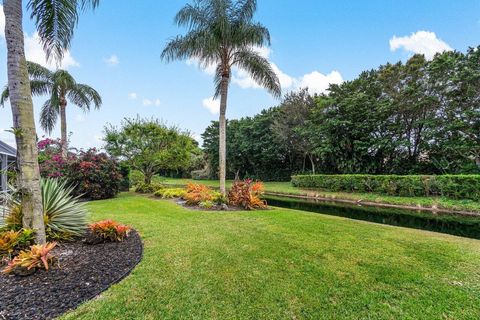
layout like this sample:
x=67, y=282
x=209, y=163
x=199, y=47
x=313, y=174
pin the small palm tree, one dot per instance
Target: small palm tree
x=222, y=32
x=55, y=22
x=61, y=87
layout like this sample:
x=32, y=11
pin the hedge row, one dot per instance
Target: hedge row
x=449, y=186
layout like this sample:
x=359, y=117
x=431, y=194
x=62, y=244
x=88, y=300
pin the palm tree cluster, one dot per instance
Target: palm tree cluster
x=220, y=32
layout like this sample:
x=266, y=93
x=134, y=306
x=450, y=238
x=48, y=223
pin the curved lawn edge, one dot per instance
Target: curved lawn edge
x=83, y=274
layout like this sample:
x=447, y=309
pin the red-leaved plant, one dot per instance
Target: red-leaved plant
x=109, y=230
x=247, y=194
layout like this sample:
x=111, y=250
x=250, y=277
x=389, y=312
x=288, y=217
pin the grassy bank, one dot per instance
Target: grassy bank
x=287, y=188
x=284, y=264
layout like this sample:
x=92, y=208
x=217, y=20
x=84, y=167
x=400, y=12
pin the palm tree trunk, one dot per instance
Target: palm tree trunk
x=223, y=134
x=63, y=126
x=23, y=121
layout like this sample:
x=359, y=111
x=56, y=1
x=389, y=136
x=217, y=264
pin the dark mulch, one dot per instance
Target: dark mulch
x=84, y=271
x=216, y=207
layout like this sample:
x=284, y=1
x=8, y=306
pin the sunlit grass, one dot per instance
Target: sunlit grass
x=284, y=264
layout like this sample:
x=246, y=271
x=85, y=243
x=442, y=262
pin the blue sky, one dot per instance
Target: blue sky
x=117, y=50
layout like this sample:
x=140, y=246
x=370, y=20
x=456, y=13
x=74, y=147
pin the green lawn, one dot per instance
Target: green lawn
x=284, y=264
x=287, y=188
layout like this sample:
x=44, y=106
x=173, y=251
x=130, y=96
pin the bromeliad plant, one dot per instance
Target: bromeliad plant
x=109, y=230
x=38, y=257
x=196, y=193
x=246, y=194
x=64, y=215
x=13, y=241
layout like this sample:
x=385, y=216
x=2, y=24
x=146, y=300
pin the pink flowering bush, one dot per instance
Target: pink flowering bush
x=94, y=174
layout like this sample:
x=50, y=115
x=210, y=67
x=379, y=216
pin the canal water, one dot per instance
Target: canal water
x=465, y=226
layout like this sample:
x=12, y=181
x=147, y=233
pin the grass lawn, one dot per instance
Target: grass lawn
x=287, y=188
x=284, y=264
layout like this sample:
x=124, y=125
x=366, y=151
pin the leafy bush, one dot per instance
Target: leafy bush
x=38, y=257
x=13, y=241
x=169, y=193
x=64, y=215
x=247, y=194
x=94, y=175
x=448, y=186
x=207, y=204
x=196, y=193
x=136, y=178
x=149, y=188
x=109, y=230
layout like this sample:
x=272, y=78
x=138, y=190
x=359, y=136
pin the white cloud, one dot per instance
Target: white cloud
x=112, y=60
x=2, y=22
x=317, y=82
x=157, y=102
x=34, y=52
x=132, y=96
x=147, y=102
x=422, y=42
x=212, y=105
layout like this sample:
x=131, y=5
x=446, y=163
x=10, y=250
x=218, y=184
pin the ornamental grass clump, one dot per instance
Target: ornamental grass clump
x=65, y=216
x=246, y=194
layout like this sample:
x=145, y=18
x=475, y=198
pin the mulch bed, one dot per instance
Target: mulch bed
x=83, y=272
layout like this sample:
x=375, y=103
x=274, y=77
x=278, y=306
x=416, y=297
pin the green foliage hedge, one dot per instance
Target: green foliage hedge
x=449, y=186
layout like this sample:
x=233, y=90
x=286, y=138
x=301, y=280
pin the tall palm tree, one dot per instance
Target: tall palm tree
x=55, y=22
x=61, y=87
x=222, y=32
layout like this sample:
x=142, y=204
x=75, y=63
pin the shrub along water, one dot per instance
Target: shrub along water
x=448, y=186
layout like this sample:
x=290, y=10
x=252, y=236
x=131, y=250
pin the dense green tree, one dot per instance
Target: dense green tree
x=55, y=22
x=415, y=117
x=149, y=146
x=223, y=33
x=62, y=87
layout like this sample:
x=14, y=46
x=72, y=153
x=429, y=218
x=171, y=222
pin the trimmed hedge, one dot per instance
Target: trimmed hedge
x=448, y=186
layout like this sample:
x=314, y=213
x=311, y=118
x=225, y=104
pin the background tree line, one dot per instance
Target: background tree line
x=417, y=117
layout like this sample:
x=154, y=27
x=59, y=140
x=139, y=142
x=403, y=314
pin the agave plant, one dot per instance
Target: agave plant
x=63, y=214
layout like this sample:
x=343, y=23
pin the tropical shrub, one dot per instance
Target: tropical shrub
x=168, y=193
x=13, y=241
x=196, y=193
x=37, y=257
x=246, y=194
x=64, y=216
x=109, y=230
x=448, y=186
x=136, y=178
x=148, y=188
x=94, y=175
x=207, y=204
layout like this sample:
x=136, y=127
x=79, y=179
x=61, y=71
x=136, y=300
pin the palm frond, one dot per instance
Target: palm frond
x=259, y=69
x=83, y=96
x=250, y=35
x=40, y=87
x=4, y=96
x=244, y=10
x=55, y=21
x=49, y=114
x=199, y=44
x=38, y=72
x=192, y=16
